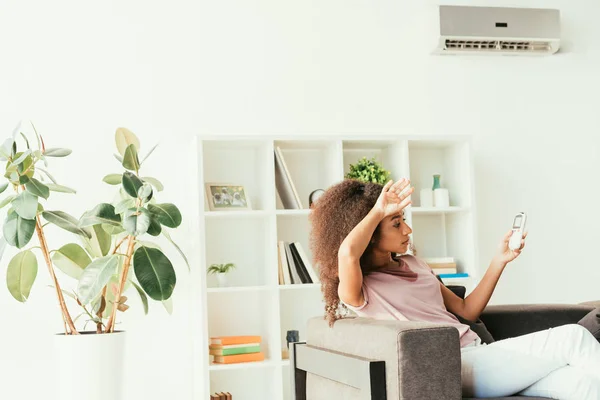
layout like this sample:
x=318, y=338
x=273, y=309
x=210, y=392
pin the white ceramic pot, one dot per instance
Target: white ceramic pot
x=222, y=279
x=89, y=366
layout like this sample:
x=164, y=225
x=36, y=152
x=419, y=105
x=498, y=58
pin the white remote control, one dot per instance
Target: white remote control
x=517, y=231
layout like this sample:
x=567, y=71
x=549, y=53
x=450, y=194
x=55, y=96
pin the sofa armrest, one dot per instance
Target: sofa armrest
x=505, y=321
x=422, y=360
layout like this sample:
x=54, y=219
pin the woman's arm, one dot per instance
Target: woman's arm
x=473, y=305
x=393, y=199
x=351, y=249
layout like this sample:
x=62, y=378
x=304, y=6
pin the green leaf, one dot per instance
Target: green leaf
x=21, y=157
x=23, y=179
x=130, y=159
x=26, y=165
x=166, y=234
x=37, y=188
x=60, y=188
x=131, y=184
x=2, y=247
x=142, y=296
x=136, y=222
x=71, y=259
x=25, y=205
x=150, y=152
x=103, y=213
x=18, y=231
x=167, y=214
x=56, y=152
x=119, y=158
x=65, y=221
x=26, y=140
x=154, y=272
x=6, y=149
x=123, y=205
x=99, y=244
x=20, y=275
x=154, y=182
x=112, y=179
x=112, y=229
x=7, y=200
x=47, y=174
x=95, y=277
x=3, y=187
x=124, y=138
x=154, y=229
x=168, y=304
x=145, y=192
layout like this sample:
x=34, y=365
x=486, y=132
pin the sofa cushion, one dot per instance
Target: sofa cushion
x=591, y=322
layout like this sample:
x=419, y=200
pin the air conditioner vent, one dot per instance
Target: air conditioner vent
x=496, y=45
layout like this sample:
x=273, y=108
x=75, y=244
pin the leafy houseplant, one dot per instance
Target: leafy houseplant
x=220, y=270
x=368, y=170
x=31, y=186
x=120, y=226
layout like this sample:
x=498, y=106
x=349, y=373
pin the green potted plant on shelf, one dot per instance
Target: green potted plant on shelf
x=368, y=170
x=221, y=270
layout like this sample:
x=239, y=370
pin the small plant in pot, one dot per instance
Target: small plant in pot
x=221, y=270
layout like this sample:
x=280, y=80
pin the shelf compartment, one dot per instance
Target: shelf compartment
x=312, y=164
x=237, y=314
x=295, y=228
x=228, y=241
x=297, y=307
x=391, y=154
x=450, y=159
x=241, y=162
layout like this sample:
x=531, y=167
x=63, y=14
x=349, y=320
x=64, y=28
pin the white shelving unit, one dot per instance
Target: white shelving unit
x=254, y=303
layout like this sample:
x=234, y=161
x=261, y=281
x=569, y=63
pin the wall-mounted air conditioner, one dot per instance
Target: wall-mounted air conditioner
x=498, y=30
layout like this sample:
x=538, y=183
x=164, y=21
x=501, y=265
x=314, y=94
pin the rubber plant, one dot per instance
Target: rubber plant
x=368, y=170
x=31, y=185
x=119, y=229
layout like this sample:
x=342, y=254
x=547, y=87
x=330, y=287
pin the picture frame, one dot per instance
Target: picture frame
x=224, y=196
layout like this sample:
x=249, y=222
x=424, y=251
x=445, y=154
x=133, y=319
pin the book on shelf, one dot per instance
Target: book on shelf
x=239, y=358
x=283, y=183
x=235, y=349
x=440, y=262
x=221, y=396
x=294, y=265
x=456, y=275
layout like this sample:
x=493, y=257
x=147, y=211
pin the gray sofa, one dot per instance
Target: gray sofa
x=361, y=358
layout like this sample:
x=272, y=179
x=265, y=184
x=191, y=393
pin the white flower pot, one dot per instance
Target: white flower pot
x=222, y=280
x=89, y=366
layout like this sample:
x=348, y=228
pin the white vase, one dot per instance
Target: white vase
x=441, y=198
x=89, y=366
x=222, y=279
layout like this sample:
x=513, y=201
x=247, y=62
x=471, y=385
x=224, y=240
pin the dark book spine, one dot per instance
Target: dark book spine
x=300, y=265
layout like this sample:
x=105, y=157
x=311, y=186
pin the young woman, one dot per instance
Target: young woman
x=357, y=230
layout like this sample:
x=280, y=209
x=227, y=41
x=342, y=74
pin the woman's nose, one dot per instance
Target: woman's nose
x=407, y=230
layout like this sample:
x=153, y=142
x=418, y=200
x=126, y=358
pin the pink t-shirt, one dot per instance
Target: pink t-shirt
x=411, y=293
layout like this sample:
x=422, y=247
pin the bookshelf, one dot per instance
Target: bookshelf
x=253, y=302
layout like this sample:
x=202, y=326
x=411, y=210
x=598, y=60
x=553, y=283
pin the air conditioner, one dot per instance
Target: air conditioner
x=498, y=30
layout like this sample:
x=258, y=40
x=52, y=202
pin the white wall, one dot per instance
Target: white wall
x=169, y=70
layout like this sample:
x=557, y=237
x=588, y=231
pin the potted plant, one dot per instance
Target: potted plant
x=112, y=256
x=221, y=271
x=368, y=170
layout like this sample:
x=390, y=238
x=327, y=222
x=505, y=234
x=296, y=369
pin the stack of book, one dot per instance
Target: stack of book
x=283, y=182
x=294, y=265
x=444, y=267
x=235, y=349
x=221, y=396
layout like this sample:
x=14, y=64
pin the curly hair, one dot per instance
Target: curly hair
x=332, y=218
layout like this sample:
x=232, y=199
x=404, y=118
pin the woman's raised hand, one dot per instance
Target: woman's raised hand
x=394, y=197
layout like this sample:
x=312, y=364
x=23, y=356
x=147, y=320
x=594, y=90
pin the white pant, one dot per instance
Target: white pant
x=559, y=363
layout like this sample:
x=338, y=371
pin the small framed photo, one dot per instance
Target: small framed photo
x=226, y=196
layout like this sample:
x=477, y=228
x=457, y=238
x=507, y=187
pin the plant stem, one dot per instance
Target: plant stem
x=124, y=273
x=65, y=312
